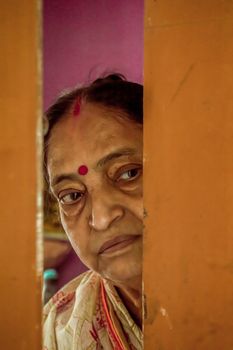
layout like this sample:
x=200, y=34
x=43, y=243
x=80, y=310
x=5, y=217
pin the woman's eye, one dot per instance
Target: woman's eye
x=70, y=198
x=129, y=174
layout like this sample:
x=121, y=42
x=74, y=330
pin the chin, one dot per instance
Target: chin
x=123, y=265
x=123, y=271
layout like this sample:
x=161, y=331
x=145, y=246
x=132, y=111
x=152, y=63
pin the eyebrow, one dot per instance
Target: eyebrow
x=59, y=178
x=101, y=162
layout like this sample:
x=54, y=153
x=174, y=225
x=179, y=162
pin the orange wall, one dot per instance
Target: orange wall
x=188, y=181
x=19, y=95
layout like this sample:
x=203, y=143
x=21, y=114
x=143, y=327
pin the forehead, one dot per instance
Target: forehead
x=96, y=131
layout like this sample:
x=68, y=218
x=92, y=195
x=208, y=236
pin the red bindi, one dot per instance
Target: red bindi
x=83, y=170
x=77, y=107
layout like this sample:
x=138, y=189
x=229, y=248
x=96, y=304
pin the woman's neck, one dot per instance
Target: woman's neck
x=131, y=295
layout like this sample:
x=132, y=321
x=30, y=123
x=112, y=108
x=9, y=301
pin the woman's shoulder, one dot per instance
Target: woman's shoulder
x=67, y=295
x=69, y=309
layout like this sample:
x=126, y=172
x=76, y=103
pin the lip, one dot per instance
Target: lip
x=117, y=243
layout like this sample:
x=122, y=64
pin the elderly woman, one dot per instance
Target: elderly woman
x=93, y=160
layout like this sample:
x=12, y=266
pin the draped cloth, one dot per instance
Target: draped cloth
x=89, y=314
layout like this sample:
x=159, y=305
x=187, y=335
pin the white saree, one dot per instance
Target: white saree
x=89, y=314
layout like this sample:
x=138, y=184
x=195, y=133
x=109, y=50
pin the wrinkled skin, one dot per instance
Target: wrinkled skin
x=106, y=203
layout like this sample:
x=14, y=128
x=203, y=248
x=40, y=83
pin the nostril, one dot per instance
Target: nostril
x=103, y=218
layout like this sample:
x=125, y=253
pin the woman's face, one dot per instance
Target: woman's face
x=101, y=211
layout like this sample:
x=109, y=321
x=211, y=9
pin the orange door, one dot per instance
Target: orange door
x=19, y=95
x=188, y=181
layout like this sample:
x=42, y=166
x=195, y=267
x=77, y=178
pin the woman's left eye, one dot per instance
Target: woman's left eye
x=129, y=174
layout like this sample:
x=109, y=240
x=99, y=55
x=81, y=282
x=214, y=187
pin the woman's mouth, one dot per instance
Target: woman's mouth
x=118, y=243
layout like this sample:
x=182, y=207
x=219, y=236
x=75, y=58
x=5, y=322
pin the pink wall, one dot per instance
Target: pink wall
x=84, y=38
x=70, y=268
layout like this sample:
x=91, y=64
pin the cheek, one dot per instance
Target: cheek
x=138, y=209
x=135, y=205
x=69, y=223
x=63, y=217
x=75, y=229
x=71, y=215
x=79, y=238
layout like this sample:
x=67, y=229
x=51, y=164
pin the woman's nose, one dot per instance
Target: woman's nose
x=105, y=210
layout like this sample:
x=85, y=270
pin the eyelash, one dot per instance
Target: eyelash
x=73, y=201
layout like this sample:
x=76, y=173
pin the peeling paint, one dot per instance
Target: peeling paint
x=164, y=313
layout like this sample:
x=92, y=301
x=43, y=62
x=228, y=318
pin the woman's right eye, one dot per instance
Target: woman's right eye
x=70, y=198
